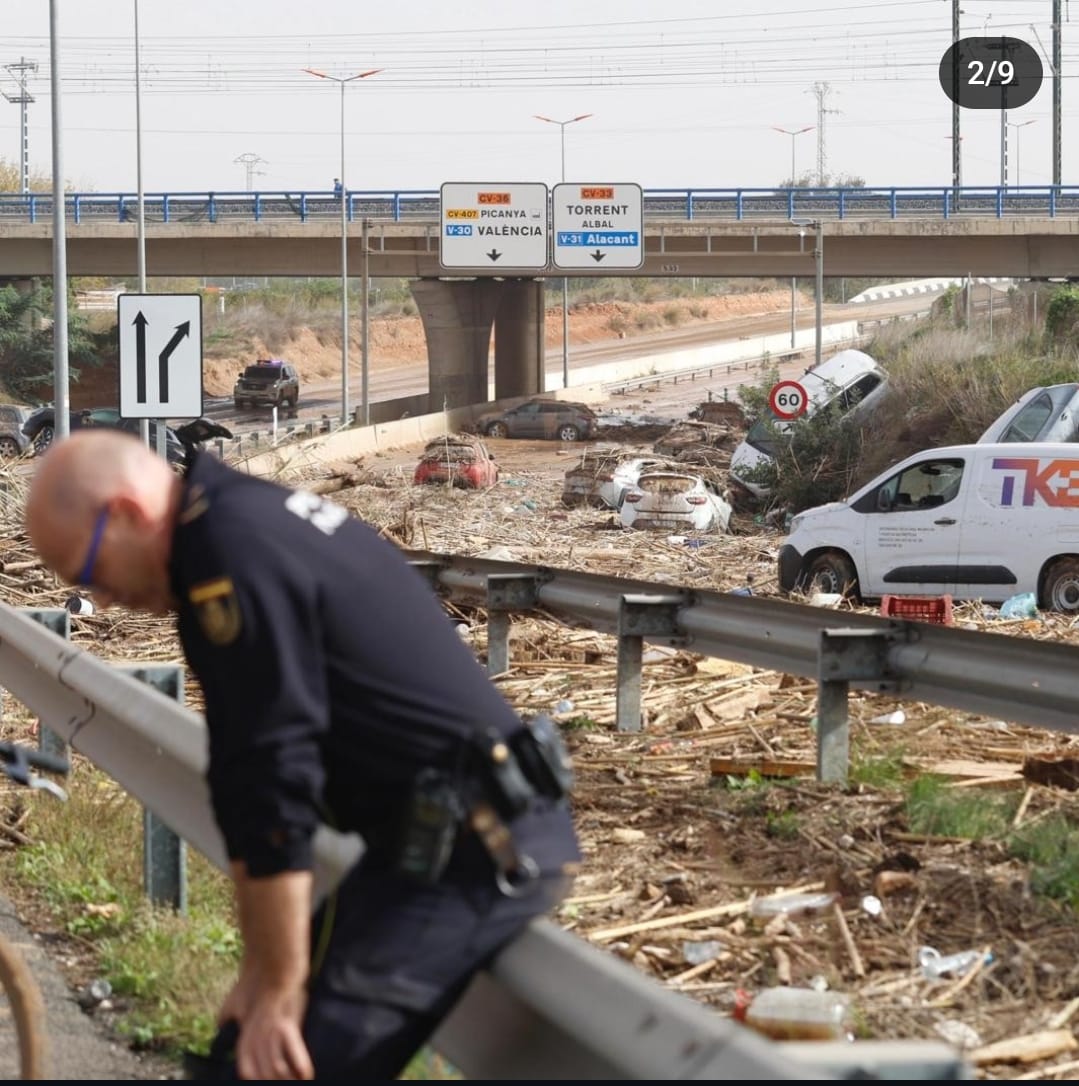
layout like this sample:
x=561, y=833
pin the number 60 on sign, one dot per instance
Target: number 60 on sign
x=788, y=400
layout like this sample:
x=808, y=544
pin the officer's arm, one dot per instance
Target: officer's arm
x=275, y=918
x=253, y=635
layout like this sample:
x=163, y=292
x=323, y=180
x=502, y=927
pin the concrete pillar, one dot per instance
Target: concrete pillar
x=457, y=317
x=520, y=350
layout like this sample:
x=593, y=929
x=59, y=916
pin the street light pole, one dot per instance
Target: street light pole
x=565, y=281
x=793, y=132
x=1017, y=125
x=342, y=81
x=60, y=374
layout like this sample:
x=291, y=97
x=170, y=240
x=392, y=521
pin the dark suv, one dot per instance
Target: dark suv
x=268, y=383
x=561, y=420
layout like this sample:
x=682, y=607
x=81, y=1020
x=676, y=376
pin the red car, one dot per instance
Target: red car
x=459, y=459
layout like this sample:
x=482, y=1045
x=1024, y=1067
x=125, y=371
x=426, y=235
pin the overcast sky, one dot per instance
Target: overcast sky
x=682, y=93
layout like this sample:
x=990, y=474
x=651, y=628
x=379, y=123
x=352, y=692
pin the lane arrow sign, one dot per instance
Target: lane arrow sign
x=182, y=331
x=140, y=357
x=597, y=256
x=494, y=254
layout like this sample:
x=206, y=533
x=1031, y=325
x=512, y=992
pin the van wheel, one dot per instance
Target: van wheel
x=1060, y=590
x=830, y=572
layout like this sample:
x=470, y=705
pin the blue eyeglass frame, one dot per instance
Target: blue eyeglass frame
x=86, y=574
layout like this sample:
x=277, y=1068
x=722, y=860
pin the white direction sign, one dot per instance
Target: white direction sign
x=493, y=225
x=160, y=355
x=598, y=226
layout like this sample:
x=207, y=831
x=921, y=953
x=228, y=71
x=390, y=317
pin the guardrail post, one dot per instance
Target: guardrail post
x=164, y=854
x=641, y=616
x=57, y=619
x=506, y=592
x=846, y=655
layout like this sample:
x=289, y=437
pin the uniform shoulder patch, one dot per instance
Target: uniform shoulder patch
x=217, y=609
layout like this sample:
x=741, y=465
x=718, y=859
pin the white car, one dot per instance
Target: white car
x=675, y=501
x=1046, y=413
x=850, y=382
x=603, y=475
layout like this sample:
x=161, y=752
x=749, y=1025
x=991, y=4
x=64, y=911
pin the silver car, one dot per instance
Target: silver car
x=603, y=475
x=1046, y=413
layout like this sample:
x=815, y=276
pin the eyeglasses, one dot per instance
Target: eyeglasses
x=85, y=578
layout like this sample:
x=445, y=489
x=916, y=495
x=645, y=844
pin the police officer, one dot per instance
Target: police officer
x=337, y=691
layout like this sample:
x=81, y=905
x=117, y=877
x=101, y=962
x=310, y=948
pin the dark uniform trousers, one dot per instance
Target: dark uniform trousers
x=391, y=956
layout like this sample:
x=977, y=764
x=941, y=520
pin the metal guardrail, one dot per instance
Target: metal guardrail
x=660, y=205
x=551, y=1006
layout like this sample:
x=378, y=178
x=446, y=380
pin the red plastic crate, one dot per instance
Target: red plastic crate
x=918, y=608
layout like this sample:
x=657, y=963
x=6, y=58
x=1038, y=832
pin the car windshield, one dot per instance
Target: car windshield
x=765, y=435
x=263, y=373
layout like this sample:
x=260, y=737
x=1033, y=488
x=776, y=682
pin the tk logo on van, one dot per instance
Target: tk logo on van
x=1057, y=483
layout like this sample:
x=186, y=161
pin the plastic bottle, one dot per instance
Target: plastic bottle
x=936, y=965
x=799, y=1014
x=791, y=904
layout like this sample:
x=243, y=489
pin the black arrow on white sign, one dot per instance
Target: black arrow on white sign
x=140, y=357
x=597, y=256
x=494, y=254
x=182, y=331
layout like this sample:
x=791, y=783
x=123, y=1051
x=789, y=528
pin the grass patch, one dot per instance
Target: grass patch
x=880, y=771
x=936, y=810
x=168, y=972
x=1051, y=847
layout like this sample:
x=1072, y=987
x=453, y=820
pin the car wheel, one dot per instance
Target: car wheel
x=1060, y=590
x=830, y=572
x=43, y=439
x=569, y=432
x=498, y=429
x=9, y=447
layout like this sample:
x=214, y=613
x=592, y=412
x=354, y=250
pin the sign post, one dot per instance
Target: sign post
x=788, y=400
x=597, y=226
x=160, y=355
x=493, y=225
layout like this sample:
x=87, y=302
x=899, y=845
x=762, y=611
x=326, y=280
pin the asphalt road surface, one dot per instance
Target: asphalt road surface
x=79, y=1047
x=409, y=379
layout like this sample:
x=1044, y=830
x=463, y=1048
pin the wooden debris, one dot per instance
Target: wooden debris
x=1062, y=772
x=766, y=767
x=1034, y=1046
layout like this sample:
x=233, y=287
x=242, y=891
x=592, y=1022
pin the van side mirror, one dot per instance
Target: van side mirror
x=884, y=501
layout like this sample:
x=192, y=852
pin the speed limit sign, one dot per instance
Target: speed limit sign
x=788, y=400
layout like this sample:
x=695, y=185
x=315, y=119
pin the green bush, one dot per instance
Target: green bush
x=1062, y=316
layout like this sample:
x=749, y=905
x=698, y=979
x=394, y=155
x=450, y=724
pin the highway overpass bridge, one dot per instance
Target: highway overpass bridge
x=1029, y=232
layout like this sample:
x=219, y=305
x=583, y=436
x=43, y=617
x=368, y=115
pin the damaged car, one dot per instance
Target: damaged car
x=457, y=460
x=604, y=474
x=675, y=501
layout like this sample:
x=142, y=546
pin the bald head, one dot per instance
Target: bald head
x=108, y=485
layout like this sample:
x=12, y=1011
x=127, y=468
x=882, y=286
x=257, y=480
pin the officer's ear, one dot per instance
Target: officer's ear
x=128, y=509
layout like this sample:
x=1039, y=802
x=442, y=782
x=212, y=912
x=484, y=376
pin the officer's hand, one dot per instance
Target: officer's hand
x=271, y=1045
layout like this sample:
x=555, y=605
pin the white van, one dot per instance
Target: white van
x=849, y=379
x=984, y=521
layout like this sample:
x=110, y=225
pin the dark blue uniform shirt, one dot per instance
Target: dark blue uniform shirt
x=329, y=670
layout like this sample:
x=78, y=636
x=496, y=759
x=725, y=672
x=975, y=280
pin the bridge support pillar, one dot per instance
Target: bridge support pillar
x=519, y=344
x=458, y=316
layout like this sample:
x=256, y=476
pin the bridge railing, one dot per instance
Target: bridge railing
x=660, y=205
